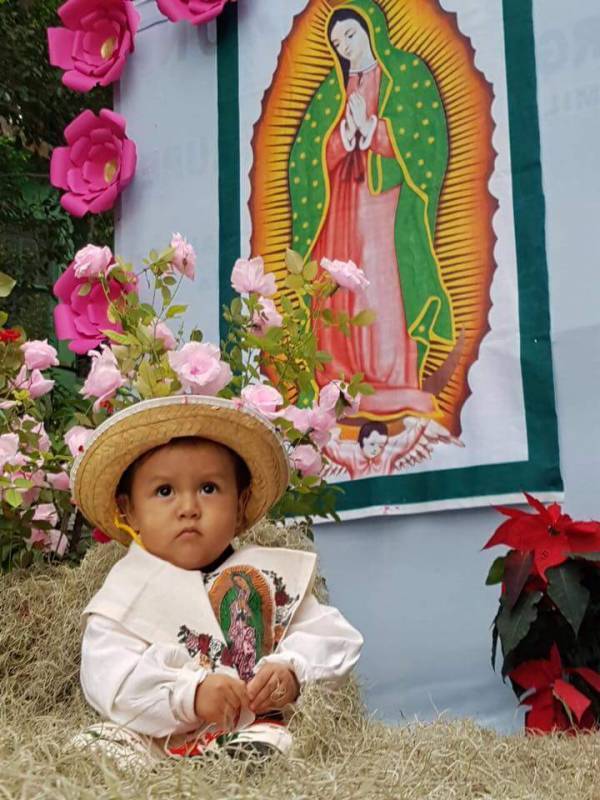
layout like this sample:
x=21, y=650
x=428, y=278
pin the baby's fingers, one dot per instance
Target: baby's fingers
x=259, y=681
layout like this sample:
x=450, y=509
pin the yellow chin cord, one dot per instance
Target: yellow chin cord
x=123, y=526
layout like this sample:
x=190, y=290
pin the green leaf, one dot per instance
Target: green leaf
x=173, y=311
x=517, y=568
x=84, y=289
x=7, y=284
x=366, y=317
x=310, y=271
x=294, y=262
x=3, y=317
x=196, y=335
x=13, y=498
x=22, y=483
x=567, y=592
x=295, y=282
x=496, y=572
x=513, y=625
x=365, y=389
x=119, y=338
x=323, y=356
x=585, y=556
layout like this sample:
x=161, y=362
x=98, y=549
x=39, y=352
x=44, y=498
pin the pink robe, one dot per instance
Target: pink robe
x=360, y=227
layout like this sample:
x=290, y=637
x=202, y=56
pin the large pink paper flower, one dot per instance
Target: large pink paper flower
x=194, y=11
x=97, y=164
x=82, y=318
x=95, y=42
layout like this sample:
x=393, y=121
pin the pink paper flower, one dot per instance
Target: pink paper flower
x=194, y=11
x=199, y=368
x=39, y=354
x=265, y=399
x=249, y=276
x=76, y=439
x=346, y=274
x=306, y=460
x=104, y=377
x=95, y=42
x=92, y=261
x=83, y=318
x=184, y=258
x=267, y=317
x=97, y=164
x=59, y=481
x=34, y=383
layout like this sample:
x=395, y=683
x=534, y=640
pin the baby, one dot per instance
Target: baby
x=190, y=645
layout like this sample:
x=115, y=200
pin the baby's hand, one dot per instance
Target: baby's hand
x=219, y=701
x=273, y=687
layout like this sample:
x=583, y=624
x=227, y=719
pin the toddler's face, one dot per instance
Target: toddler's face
x=185, y=503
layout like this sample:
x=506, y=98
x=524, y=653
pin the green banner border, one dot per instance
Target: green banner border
x=541, y=472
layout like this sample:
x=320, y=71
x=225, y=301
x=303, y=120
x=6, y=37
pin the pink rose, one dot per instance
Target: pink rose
x=299, y=417
x=329, y=395
x=57, y=542
x=9, y=450
x=34, y=383
x=199, y=368
x=162, y=333
x=249, y=276
x=59, y=481
x=83, y=318
x=265, y=399
x=39, y=354
x=37, y=478
x=184, y=258
x=76, y=439
x=37, y=537
x=97, y=164
x=95, y=42
x=346, y=274
x=194, y=11
x=37, y=429
x=92, y=261
x=306, y=460
x=321, y=422
x=104, y=377
x=45, y=512
x=267, y=317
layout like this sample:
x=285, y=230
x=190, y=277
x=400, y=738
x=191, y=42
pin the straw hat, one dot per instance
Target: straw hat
x=130, y=433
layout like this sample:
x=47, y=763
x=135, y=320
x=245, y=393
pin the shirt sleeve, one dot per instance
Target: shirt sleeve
x=320, y=645
x=149, y=688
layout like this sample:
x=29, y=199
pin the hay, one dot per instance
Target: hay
x=339, y=752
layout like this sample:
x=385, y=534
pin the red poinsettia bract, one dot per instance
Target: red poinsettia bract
x=549, y=534
x=555, y=704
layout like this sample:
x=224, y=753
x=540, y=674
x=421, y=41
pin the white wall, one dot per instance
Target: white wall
x=414, y=585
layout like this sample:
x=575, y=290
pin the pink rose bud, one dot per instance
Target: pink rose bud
x=91, y=261
x=345, y=274
x=306, y=460
x=194, y=11
x=163, y=333
x=184, y=258
x=38, y=430
x=265, y=399
x=39, y=354
x=59, y=481
x=199, y=368
x=104, y=377
x=76, y=439
x=34, y=383
x=329, y=395
x=248, y=276
x=267, y=317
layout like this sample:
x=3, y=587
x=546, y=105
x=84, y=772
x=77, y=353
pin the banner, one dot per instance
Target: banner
x=403, y=135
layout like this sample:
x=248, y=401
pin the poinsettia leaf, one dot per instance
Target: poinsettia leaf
x=543, y=716
x=513, y=624
x=571, y=698
x=588, y=675
x=567, y=592
x=517, y=568
x=538, y=505
x=496, y=572
x=515, y=513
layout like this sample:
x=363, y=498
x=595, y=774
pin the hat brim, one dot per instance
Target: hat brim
x=130, y=433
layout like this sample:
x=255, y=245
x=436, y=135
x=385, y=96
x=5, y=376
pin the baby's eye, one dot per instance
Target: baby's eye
x=209, y=488
x=164, y=490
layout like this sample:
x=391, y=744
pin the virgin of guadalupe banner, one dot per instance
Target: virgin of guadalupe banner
x=403, y=135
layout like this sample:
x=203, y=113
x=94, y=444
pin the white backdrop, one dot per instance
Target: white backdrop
x=415, y=584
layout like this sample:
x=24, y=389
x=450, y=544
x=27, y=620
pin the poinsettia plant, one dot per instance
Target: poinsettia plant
x=548, y=620
x=131, y=328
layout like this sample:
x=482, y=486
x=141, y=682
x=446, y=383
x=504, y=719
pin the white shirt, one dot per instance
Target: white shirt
x=151, y=687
